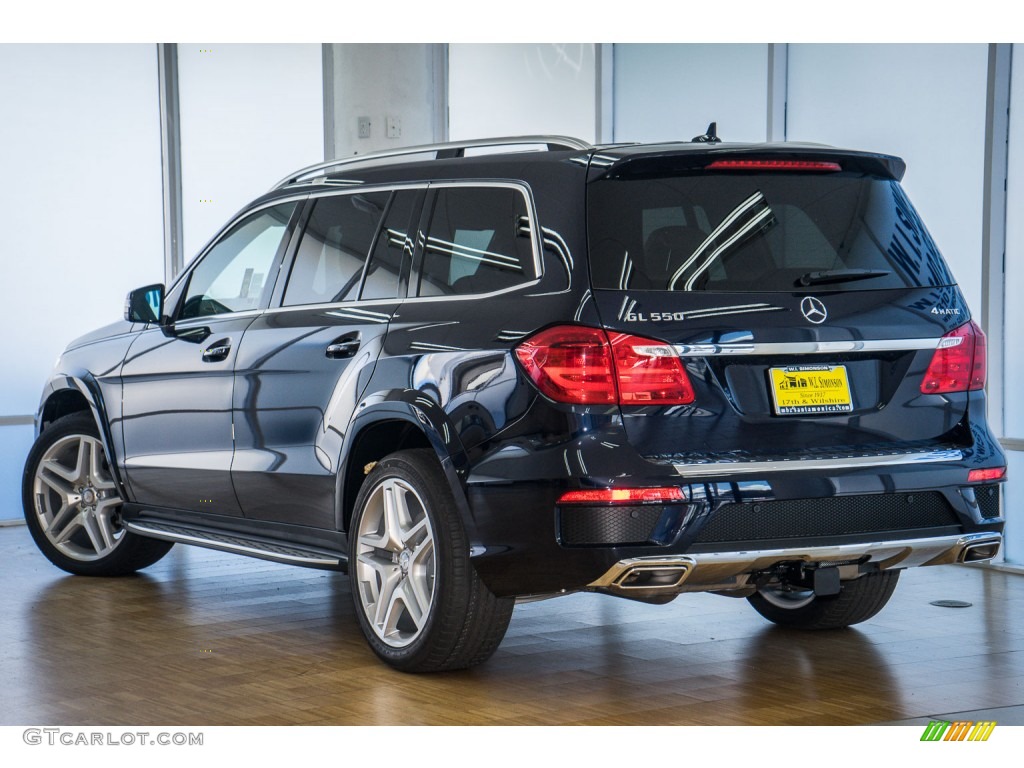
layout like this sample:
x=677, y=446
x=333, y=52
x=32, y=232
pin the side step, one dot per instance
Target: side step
x=265, y=549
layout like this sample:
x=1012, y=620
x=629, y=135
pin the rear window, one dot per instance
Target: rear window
x=758, y=232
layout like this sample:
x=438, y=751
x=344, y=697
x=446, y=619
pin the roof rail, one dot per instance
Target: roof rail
x=447, y=149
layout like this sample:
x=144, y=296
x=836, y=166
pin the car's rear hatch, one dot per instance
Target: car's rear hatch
x=802, y=292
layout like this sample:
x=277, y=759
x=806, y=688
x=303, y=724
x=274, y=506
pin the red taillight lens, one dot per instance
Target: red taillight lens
x=579, y=365
x=570, y=364
x=983, y=475
x=773, y=165
x=959, y=364
x=622, y=496
x=649, y=372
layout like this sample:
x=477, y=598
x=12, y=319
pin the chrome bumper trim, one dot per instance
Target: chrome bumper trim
x=804, y=347
x=724, y=571
x=830, y=463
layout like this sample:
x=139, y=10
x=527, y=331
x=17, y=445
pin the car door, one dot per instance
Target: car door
x=178, y=378
x=302, y=365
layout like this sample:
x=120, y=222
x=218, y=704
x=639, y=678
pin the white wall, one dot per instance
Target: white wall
x=1013, y=352
x=671, y=92
x=925, y=103
x=512, y=89
x=81, y=196
x=249, y=115
x=386, y=80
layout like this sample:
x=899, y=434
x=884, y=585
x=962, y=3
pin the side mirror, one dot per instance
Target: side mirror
x=145, y=305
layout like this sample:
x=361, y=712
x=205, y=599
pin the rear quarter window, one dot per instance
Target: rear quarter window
x=477, y=241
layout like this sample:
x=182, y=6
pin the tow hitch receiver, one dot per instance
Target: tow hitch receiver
x=826, y=581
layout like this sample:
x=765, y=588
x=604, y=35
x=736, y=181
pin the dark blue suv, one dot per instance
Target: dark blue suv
x=466, y=378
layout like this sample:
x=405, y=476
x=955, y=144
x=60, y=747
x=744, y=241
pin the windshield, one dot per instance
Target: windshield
x=788, y=232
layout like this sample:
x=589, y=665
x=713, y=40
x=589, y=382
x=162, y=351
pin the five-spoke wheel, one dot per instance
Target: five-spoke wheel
x=72, y=504
x=395, y=566
x=419, y=601
x=76, y=501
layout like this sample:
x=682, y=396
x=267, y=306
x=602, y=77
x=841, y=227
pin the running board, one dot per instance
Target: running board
x=265, y=549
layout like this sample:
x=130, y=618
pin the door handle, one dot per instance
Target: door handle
x=217, y=351
x=343, y=347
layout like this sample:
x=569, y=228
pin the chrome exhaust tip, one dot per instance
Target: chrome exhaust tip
x=646, y=576
x=652, y=577
x=980, y=551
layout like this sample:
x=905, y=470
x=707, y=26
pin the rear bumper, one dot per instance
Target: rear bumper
x=811, y=506
x=731, y=571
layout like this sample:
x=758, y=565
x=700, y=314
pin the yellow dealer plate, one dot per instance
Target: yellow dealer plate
x=810, y=389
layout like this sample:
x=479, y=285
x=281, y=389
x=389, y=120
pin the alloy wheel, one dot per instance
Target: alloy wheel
x=395, y=565
x=76, y=500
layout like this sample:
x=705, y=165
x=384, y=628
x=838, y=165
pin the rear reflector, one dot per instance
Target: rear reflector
x=773, y=165
x=583, y=366
x=622, y=496
x=959, y=363
x=983, y=475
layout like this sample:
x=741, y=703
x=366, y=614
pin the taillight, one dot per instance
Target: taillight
x=773, y=165
x=649, y=372
x=959, y=363
x=623, y=496
x=583, y=366
x=570, y=364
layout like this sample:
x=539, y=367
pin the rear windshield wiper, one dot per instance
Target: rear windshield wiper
x=840, y=276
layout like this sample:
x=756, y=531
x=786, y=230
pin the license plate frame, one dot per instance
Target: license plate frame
x=810, y=390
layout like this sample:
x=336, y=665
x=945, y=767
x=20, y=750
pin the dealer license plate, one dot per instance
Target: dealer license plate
x=810, y=389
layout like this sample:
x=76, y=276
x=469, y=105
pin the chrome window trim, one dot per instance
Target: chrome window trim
x=334, y=305
x=199, y=322
x=723, y=468
x=535, y=241
x=535, y=233
x=464, y=296
x=805, y=347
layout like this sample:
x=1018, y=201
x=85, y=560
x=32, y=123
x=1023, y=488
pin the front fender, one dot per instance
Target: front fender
x=65, y=393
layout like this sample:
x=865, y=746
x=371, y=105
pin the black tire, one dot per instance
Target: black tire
x=72, y=504
x=858, y=601
x=420, y=604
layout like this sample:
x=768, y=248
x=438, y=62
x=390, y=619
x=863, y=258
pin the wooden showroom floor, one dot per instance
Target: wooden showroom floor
x=209, y=639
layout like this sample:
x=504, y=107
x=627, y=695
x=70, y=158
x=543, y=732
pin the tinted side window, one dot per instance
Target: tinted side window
x=393, y=249
x=333, y=250
x=476, y=242
x=232, y=276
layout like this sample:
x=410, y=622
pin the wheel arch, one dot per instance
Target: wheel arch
x=403, y=420
x=67, y=394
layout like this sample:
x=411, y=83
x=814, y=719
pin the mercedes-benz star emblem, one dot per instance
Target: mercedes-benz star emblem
x=813, y=310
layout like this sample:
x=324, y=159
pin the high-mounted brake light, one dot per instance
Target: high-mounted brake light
x=983, y=475
x=588, y=366
x=622, y=496
x=773, y=165
x=959, y=363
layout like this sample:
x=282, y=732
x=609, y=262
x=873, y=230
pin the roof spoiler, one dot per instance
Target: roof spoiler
x=688, y=160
